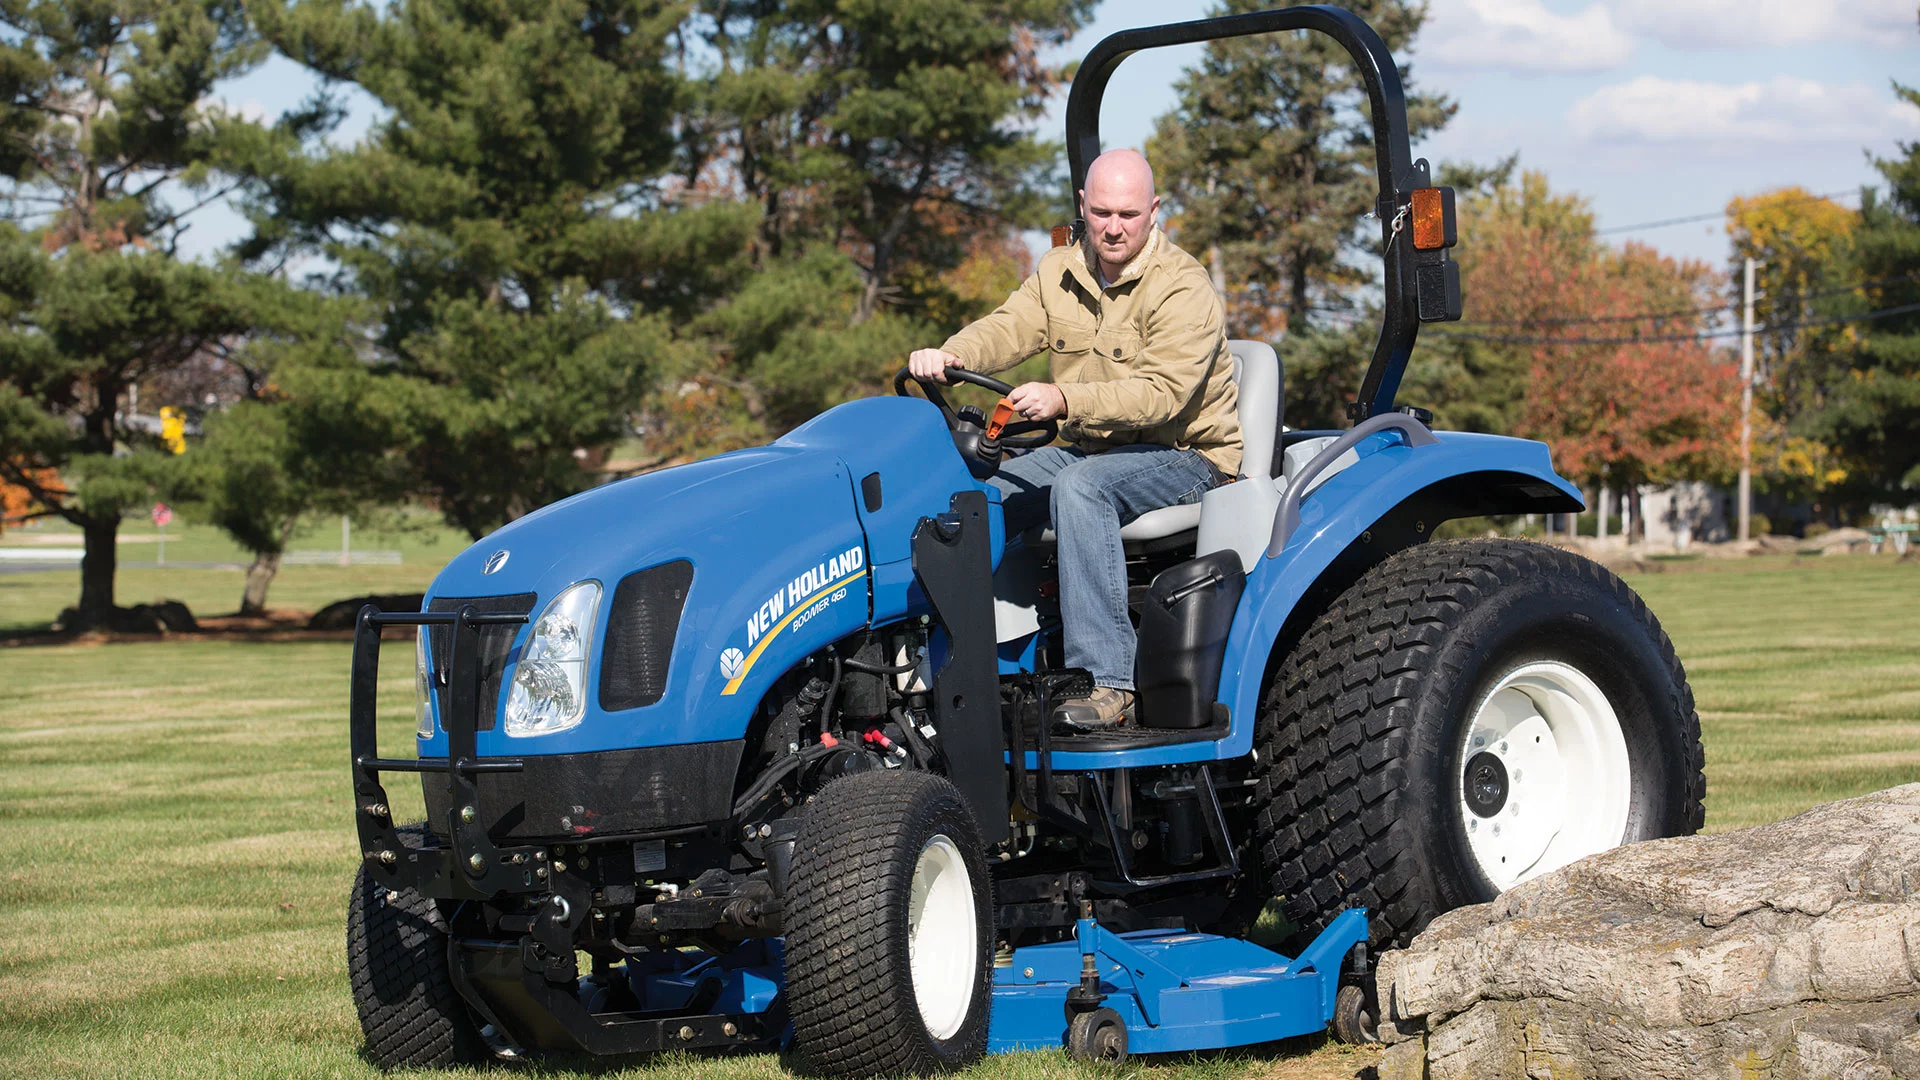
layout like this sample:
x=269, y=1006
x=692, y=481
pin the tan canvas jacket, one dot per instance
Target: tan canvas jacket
x=1142, y=360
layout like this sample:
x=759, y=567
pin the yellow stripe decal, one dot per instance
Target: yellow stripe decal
x=734, y=683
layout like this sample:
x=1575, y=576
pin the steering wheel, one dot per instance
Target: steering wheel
x=1018, y=435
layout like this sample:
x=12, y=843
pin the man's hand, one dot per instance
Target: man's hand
x=1038, y=401
x=932, y=364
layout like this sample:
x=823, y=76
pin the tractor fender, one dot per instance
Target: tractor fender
x=1391, y=498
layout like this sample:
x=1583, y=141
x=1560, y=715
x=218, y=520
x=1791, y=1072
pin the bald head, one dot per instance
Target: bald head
x=1121, y=169
x=1120, y=207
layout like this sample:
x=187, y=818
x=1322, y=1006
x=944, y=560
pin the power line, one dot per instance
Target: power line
x=1644, y=339
x=1716, y=216
x=1678, y=313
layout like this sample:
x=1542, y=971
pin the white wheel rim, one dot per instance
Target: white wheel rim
x=943, y=941
x=1547, y=738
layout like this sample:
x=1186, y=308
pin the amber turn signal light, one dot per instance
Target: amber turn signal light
x=1433, y=221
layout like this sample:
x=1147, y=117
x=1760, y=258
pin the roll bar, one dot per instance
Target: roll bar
x=1417, y=283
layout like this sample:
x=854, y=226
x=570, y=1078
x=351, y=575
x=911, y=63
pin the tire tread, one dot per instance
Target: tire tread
x=1335, y=724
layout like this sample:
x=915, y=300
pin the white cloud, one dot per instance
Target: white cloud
x=1650, y=109
x=1522, y=35
x=1719, y=24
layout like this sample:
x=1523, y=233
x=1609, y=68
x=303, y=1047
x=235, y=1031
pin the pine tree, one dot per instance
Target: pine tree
x=1869, y=404
x=521, y=222
x=897, y=130
x=1269, y=157
x=889, y=148
x=106, y=113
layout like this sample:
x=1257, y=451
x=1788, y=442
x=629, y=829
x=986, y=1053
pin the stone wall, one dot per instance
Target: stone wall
x=1788, y=951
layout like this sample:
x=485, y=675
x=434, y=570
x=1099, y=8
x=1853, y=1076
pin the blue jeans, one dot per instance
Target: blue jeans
x=1088, y=497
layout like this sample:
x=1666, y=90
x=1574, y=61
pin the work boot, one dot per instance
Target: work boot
x=1104, y=709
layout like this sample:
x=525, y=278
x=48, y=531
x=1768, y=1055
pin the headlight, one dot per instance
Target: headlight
x=550, y=681
x=422, y=687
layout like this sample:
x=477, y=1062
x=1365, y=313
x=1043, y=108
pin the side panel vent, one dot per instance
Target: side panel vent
x=495, y=643
x=640, y=631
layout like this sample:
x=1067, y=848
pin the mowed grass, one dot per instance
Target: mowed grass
x=176, y=842
x=1806, y=673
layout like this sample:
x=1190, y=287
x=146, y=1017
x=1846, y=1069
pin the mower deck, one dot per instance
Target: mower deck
x=1173, y=991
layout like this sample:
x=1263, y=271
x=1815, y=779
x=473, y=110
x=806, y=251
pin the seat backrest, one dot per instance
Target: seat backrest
x=1256, y=369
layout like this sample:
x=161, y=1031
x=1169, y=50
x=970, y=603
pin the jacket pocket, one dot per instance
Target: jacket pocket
x=1119, y=347
x=1070, y=339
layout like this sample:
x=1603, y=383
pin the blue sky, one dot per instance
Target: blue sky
x=1652, y=109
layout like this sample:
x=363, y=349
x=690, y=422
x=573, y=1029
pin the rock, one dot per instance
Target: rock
x=341, y=614
x=1790, y=950
x=1836, y=542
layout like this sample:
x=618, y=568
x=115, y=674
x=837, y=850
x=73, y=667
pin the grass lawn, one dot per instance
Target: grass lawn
x=175, y=842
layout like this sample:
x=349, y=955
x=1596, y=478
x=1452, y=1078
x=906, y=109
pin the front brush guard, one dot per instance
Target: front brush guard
x=471, y=866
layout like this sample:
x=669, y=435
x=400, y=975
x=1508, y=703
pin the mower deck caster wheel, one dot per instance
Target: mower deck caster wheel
x=1354, y=1023
x=1099, y=1035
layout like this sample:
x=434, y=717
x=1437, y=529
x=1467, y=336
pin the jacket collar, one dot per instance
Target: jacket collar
x=1086, y=268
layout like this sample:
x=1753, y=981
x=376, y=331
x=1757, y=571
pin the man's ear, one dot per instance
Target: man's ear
x=1153, y=212
x=1080, y=198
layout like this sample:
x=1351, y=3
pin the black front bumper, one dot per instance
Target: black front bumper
x=578, y=797
x=471, y=866
x=491, y=826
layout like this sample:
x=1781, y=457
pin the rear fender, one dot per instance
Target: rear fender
x=1392, y=498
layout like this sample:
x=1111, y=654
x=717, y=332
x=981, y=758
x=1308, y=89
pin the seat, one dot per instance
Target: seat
x=1257, y=374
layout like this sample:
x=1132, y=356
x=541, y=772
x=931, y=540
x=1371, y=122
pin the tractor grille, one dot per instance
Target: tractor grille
x=496, y=643
x=640, y=632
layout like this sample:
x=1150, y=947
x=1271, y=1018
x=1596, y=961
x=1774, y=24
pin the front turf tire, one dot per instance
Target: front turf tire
x=881, y=856
x=397, y=965
x=1378, y=718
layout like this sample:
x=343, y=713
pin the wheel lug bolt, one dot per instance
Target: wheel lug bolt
x=476, y=863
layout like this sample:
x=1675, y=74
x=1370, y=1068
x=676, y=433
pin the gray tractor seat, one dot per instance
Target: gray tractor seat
x=1256, y=370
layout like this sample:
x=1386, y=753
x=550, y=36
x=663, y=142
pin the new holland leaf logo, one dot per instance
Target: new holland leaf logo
x=730, y=663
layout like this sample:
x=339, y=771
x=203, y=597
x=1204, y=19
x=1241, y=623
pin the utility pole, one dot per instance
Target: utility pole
x=1217, y=267
x=1746, y=406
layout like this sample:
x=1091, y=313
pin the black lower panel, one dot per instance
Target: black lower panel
x=562, y=796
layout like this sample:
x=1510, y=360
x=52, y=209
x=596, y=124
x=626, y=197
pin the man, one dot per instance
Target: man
x=1143, y=388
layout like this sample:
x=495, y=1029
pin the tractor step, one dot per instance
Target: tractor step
x=1172, y=991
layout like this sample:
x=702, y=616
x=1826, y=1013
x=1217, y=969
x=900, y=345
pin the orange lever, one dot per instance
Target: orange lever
x=1002, y=415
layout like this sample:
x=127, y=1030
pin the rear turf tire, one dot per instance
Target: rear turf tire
x=1411, y=678
x=397, y=965
x=889, y=929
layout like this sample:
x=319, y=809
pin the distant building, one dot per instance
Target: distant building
x=1687, y=513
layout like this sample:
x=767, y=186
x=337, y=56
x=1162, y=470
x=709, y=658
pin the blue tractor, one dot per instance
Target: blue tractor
x=756, y=751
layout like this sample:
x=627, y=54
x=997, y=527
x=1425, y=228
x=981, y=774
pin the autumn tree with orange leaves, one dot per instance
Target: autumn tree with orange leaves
x=1594, y=350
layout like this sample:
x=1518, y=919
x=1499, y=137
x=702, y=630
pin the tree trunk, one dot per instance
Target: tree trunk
x=259, y=576
x=97, y=568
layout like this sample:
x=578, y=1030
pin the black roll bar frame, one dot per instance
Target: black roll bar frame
x=1399, y=173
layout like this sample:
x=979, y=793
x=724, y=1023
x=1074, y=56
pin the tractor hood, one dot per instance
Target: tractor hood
x=715, y=577
x=629, y=524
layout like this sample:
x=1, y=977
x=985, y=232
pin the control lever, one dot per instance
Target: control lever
x=1003, y=415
